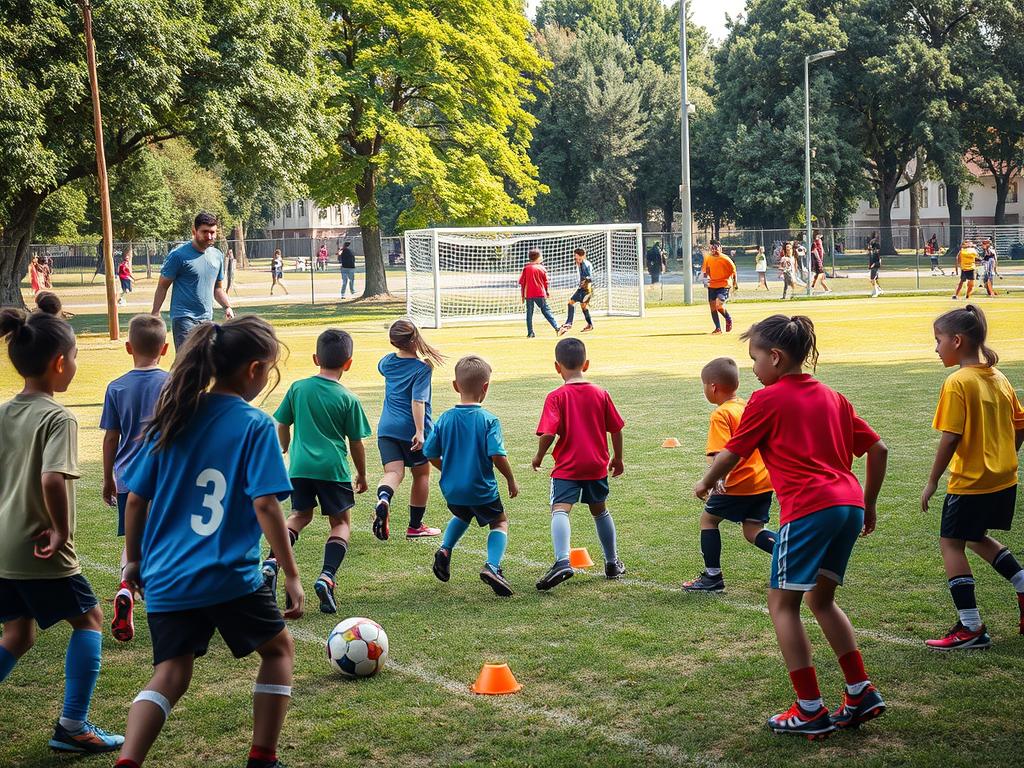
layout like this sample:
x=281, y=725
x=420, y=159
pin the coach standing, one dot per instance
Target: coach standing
x=196, y=269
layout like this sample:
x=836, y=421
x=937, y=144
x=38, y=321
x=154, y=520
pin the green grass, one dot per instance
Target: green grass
x=614, y=674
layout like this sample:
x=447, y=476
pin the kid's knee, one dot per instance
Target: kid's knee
x=750, y=532
x=299, y=520
x=19, y=636
x=561, y=509
x=500, y=525
x=597, y=510
x=281, y=646
x=90, y=620
x=708, y=521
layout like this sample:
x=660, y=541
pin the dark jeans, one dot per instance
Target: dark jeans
x=655, y=277
x=181, y=327
x=348, y=276
x=545, y=310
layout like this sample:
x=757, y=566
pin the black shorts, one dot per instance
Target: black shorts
x=582, y=295
x=485, y=514
x=966, y=274
x=818, y=269
x=245, y=623
x=331, y=496
x=874, y=273
x=718, y=293
x=740, y=509
x=970, y=517
x=399, y=450
x=48, y=601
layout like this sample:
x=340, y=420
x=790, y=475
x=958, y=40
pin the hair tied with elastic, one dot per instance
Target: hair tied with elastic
x=217, y=331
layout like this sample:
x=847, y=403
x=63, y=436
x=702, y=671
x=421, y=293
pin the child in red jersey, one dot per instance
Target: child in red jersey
x=823, y=510
x=533, y=287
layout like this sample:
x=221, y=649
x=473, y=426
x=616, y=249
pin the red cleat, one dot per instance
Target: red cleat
x=123, y=625
x=423, y=532
x=961, y=638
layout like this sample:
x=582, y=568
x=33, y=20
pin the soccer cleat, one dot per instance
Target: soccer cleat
x=795, y=722
x=443, y=564
x=531, y=335
x=123, y=625
x=324, y=588
x=954, y=297
x=961, y=638
x=587, y=329
x=705, y=583
x=87, y=739
x=614, y=569
x=269, y=570
x=381, y=515
x=716, y=332
x=557, y=573
x=858, y=709
x=423, y=532
x=728, y=325
x=494, y=578
x=564, y=329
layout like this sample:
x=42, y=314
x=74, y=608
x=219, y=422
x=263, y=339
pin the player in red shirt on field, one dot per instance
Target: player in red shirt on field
x=533, y=287
x=580, y=415
x=823, y=510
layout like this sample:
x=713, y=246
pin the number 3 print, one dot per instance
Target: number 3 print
x=213, y=501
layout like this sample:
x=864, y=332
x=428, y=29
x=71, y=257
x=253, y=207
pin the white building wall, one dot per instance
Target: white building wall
x=980, y=205
x=305, y=214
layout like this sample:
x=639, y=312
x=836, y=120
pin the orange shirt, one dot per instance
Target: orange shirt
x=750, y=476
x=720, y=269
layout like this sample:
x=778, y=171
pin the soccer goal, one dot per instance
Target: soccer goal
x=472, y=274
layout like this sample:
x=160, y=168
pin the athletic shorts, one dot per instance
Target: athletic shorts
x=126, y=285
x=122, y=504
x=331, y=496
x=819, y=544
x=970, y=517
x=485, y=514
x=579, y=491
x=718, y=293
x=740, y=509
x=934, y=260
x=818, y=269
x=48, y=601
x=399, y=450
x=874, y=273
x=967, y=274
x=245, y=623
x=278, y=273
x=582, y=295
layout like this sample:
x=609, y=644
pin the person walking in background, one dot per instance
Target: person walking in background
x=988, y=266
x=761, y=267
x=874, y=265
x=277, y=272
x=655, y=262
x=321, y=258
x=533, y=288
x=347, y=262
x=818, y=264
x=967, y=259
x=786, y=271
x=46, y=263
x=35, y=275
x=932, y=249
x=124, y=274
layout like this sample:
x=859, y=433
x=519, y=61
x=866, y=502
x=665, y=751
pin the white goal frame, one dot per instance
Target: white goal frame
x=436, y=296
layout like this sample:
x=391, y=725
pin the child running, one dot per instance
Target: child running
x=124, y=274
x=580, y=415
x=41, y=581
x=966, y=260
x=746, y=495
x=982, y=425
x=128, y=404
x=719, y=272
x=204, y=486
x=405, y=422
x=466, y=445
x=823, y=511
x=583, y=293
x=324, y=414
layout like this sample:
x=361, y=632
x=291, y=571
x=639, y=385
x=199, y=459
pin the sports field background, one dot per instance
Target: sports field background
x=617, y=674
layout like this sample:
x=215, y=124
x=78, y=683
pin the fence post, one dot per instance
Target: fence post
x=313, y=263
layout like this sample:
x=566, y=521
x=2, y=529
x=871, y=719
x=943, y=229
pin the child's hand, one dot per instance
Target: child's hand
x=48, y=543
x=296, y=597
x=615, y=467
x=417, y=441
x=701, y=490
x=537, y=461
x=109, y=493
x=513, y=489
x=926, y=495
x=870, y=519
x=361, y=485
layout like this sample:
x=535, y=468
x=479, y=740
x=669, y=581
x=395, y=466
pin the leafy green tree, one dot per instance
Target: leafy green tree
x=141, y=204
x=63, y=216
x=191, y=187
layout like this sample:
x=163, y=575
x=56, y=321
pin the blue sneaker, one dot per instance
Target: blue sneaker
x=269, y=570
x=324, y=588
x=859, y=709
x=87, y=739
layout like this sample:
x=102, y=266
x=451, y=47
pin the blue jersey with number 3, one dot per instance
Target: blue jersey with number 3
x=201, y=544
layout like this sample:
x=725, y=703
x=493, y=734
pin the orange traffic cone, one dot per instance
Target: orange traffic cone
x=671, y=442
x=580, y=558
x=494, y=680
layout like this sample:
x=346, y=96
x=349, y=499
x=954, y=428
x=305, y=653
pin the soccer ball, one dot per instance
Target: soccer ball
x=357, y=647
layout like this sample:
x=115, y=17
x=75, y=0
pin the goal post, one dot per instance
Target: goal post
x=472, y=274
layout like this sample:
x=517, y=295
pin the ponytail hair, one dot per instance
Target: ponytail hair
x=793, y=335
x=34, y=340
x=968, y=321
x=49, y=302
x=211, y=351
x=404, y=335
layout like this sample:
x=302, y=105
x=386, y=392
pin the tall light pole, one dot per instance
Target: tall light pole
x=808, y=60
x=684, y=186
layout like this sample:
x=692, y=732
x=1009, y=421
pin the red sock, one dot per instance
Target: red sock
x=125, y=763
x=805, y=683
x=853, y=668
x=262, y=753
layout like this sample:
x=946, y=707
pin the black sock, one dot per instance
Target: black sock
x=765, y=540
x=569, y=314
x=334, y=553
x=962, y=590
x=1006, y=564
x=416, y=516
x=385, y=492
x=711, y=547
x=292, y=538
x=725, y=314
x=714, y=317
x=586, y=316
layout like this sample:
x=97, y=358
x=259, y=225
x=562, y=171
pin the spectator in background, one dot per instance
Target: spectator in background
x=818, y=263
x=229, y=263
x=872, y=241
x=347, y=261
x=932, y=249
x=321, y=258
x=47, y=263
x=35, y=275
x=655, y=262
x=277, y=272
x=874, y=265
x=988, y=266
x=761, y=267
x=124, y=274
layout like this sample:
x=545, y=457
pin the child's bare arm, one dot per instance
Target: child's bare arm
x=55, y=497
x=502, y=464
x=358, y=451
x=543, y=446
x=136, y=510
x=615, y=467
x=419, y=418
x=943, y=455
x=271, y=520
x=111, y=439
x=878, y=457
x=284, y=437
x=724, y=463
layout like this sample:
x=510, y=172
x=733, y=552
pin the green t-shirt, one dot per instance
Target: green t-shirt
x=324, y=414
x=39, y=435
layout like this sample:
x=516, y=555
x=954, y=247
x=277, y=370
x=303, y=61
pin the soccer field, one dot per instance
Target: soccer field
x=622, y=673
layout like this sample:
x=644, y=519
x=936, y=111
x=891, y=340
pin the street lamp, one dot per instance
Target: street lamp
x=684, y=187
x=808, y=60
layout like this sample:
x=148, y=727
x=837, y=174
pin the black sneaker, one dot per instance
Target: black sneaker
x=496, y=580
x=557, y=573
x=858, y=709
x=324, y=588
x=443, y=564
x=381, y=513
x=705, y=583
x=614, y=569
x=269, y=570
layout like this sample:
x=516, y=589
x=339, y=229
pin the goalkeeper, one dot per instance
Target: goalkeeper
x=583, y=293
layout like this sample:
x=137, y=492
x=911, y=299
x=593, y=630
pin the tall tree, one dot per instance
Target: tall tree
x=140, y=201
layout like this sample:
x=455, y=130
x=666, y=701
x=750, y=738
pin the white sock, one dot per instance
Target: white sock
x=857, y=688
x=970, y=618
x=71, y=725
x=1018, y=580
x=810, y=705
x=713, y=571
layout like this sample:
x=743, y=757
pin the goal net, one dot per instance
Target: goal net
x=456, y=275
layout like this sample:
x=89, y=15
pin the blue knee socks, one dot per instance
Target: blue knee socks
x=606, y=533
x=496, y=543
x=453, y=533
x=7, y=662
x=81, y=670
x=570, y=313
x=560, y=534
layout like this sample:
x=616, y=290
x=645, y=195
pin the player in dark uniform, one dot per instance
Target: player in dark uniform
x=583, y=293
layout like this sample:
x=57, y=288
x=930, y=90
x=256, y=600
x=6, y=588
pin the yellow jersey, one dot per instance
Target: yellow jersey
x=750, y=477
x=967, y=258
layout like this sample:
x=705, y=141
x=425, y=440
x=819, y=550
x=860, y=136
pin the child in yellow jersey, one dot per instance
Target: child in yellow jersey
x=966, y=260
x=982, y=425
x=745, y=496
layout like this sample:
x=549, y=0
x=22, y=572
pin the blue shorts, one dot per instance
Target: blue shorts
x=582, y=295
x=48, y=601
x=392, y=449
x=718, y=294
x=579, y=491
x=740, y=509
x=122, y=503
x=819, y=544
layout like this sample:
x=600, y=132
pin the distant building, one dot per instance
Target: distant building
x=305, y=219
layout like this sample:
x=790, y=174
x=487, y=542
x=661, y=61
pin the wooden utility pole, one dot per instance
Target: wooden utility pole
x=101, y=173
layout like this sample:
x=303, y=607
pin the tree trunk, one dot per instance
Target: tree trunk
x=915, y=216
x=956, y=218
x=886, y=197
x=667, y=216
x=14, y=247
x=241, y=259
x=1002, y=191
x=369, y=227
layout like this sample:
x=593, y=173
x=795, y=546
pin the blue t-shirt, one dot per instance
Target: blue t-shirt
x=586, y=271
x=194, y=274
x=129, y=403
x=405, y=379
x=465, y=438
x=201, y=545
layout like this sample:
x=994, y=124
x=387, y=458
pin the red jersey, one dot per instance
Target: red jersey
x=533, y=282
x=581, y=414
x=123, y=270
x=807, y=434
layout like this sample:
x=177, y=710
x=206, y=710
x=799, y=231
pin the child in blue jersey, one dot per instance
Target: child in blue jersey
x=205, y=485
x=466, y=445
x=404, y=424
x=128, y=404
x=583, y=293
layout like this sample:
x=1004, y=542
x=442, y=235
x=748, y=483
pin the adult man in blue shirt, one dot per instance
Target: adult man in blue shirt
x=196, y=269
